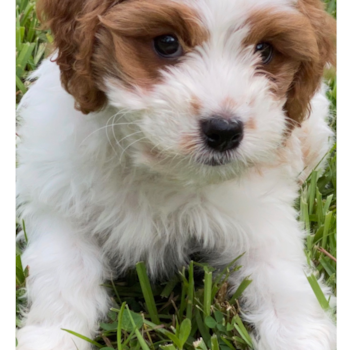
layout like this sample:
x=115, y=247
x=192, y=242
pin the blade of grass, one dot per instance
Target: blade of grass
x=242, y=287
x=327, y=224
x=26, y=13
x=142, y=341
x=147, y=292
x=319, y=210
x=242, y=331
x=23, y=5
x=226, y=271
x=119, y=329
x=169, y=287
x=327, y=204
x=203, y=329
x=208, y=276
x=304, y=213
x=168, y=347
x=84, y=338
x=312, y=191
x=24, y=231
x=184, y=288
x=20, y=85
x=40, y=53
x=190, y=292
x=318, y=292
x=228, y=343
x=327, y=266
x=214, y=343
x=19, y=270
x=184, y=332
x=31, y=30
x=23, y=58
x=19, y=33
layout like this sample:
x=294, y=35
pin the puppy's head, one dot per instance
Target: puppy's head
x=206, y=87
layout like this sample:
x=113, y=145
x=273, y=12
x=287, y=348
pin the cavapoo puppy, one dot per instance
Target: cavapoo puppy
x=163, y=128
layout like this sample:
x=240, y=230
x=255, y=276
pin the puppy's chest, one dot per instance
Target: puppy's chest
x=167, y=242
x=168, y=233
x=165, y=228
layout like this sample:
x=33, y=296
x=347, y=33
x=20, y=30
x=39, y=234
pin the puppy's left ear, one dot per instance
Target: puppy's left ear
x=308, y=78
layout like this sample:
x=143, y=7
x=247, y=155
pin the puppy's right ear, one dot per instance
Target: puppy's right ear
x=74, y=24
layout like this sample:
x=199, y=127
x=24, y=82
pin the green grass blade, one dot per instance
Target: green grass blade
x=154, y=326
x=327, y=224
x=327, y=266
x=327, y=204
x=242, y=331
x=119, y=329
x=312, y=191
x=242, y=287
x=24, y=231
x=40, y=53
x=20, y=86
x=142, y=341
x=84, y=338
x=168, y=347
x=169, y=287
x=185, y=331
x=31, y=30
x=23, y=58
x=220, y=277
x=304, y=211
x=203, y=330
x=318, y=292
x=208, y=276
x=319, y=210
x=23, y=5
x=214, y=343
x=190, y=292
x=26, y=14
x=147, y=292
x=19, y=38
x=228, y=343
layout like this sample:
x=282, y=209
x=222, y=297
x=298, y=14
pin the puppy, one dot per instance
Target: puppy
x=162, y=128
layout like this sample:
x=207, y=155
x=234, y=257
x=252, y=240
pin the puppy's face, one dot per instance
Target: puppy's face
x=205, y=88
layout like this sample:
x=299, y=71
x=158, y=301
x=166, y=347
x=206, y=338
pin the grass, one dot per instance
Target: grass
x=31, y=44
x=191, y=310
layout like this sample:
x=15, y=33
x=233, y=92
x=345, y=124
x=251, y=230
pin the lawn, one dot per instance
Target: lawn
x=191, y=311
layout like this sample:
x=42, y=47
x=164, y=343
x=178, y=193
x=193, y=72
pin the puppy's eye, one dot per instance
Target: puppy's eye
x=266, y=52
x=167, y=46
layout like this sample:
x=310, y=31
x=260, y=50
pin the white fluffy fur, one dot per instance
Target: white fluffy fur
x=96, y=199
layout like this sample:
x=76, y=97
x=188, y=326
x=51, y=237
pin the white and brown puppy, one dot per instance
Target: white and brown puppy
x=162, y=128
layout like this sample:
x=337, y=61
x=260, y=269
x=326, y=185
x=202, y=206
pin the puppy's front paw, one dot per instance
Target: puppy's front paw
x=48, y=338
x=312, y=335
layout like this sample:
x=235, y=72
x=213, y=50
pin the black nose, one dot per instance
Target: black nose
x=221, y=134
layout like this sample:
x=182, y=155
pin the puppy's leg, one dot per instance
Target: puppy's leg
x=63, y=287
x=280, y=302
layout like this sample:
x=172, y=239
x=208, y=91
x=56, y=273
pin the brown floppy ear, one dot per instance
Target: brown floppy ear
x=74, y=24
x=309, y=75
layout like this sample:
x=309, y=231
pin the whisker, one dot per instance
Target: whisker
x=129, y=135
x=105, y=126
x=109, y=140
x=113, y=131
x=142, y=138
